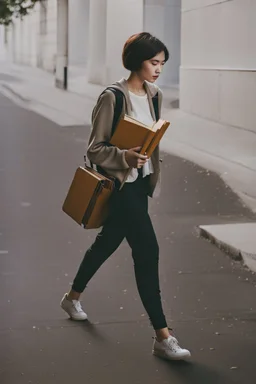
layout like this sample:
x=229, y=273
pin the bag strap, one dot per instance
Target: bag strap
x=156, y=105
x=119, y=102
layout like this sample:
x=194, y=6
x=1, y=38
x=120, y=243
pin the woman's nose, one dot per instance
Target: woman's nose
x=159, y=68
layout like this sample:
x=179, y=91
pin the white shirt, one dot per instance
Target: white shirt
x=141, y=112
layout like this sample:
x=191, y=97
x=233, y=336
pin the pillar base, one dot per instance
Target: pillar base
x=61, y=76
x=62, y=83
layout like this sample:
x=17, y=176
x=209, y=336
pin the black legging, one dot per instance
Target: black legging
x=129, y=218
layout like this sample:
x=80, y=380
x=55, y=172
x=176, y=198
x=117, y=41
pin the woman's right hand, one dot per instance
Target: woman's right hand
x=134, y=159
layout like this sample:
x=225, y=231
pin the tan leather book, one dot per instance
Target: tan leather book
x=157, y=138
x=131, y=133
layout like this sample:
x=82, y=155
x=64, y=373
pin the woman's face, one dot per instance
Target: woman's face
x=152, y=68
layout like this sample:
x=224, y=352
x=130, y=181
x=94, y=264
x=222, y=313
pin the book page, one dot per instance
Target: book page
x=133, y=120
x=158, y=125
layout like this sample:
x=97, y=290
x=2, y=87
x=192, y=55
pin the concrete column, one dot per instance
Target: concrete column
x=62, y=44
x=125, y=17
x=97, y=42
x=9, y=46
x=111, y=23
x=2, y=42
x=78, y=32
x=14, y=34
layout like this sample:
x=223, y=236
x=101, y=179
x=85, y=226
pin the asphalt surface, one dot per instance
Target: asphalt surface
x=209, y=299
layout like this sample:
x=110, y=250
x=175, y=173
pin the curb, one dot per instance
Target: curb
x=228, y=249
x=247, y=259
x=9, y=89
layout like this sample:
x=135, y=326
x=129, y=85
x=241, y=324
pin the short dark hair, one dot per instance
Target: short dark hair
x=141, y=47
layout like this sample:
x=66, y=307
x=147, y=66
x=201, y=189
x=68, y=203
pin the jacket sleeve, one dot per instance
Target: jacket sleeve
x=99, y=152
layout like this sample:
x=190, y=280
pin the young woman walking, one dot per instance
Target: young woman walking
x=144, y=56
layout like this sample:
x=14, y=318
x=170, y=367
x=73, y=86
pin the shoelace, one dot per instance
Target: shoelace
x=77, y=306
x=173, y=344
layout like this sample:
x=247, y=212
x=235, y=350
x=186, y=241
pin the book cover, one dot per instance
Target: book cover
x=131, y=133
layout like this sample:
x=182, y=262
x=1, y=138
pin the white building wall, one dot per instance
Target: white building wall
x=26, y=43
x=218, y=60
x=162, y=18
x=24, y=40
x=97, y=32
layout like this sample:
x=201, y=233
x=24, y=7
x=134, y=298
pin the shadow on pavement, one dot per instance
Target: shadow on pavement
x=195, y=373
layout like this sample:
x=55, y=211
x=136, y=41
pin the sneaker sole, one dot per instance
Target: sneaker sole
x=176, y=358
x=72, y=318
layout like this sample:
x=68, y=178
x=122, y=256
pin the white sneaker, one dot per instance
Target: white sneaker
x=169, y=349
x=73, y=308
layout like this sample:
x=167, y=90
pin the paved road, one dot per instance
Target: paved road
x=209, y=299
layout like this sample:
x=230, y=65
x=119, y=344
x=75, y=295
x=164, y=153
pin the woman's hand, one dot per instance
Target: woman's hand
x=134, y=159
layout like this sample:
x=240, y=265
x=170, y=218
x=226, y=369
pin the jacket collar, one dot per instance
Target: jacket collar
x=150, y=89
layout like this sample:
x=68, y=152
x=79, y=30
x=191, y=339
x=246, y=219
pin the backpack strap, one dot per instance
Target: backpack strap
x=156, y=105
x=119, y=102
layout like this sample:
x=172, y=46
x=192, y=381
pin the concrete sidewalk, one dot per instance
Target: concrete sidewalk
x=228, y=151
x=34, y=89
